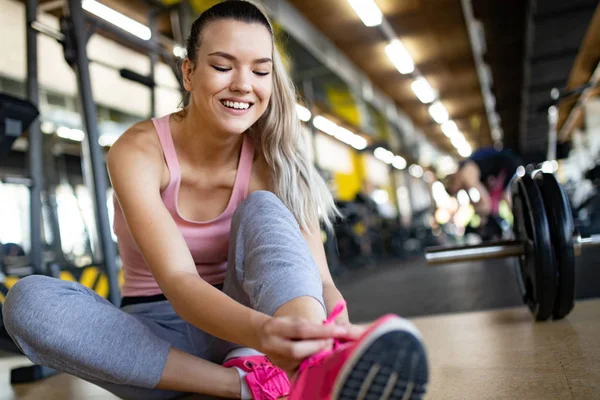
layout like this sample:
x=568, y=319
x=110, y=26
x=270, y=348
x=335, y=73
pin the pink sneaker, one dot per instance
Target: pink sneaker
x=387, y=362
x=265, y=380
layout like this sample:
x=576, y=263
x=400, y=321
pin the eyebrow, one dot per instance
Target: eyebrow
x=232, y=58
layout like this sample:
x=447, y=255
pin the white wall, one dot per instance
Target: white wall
x=108, y=87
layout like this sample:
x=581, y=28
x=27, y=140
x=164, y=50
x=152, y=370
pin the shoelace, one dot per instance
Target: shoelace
x=316, y=358
x=269, y=379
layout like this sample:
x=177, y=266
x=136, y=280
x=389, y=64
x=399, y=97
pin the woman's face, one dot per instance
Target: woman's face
x=232, y=82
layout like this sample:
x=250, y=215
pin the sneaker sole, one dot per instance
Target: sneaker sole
x=389, y=364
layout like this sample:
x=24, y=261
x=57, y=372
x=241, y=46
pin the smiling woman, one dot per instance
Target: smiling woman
x=226, y=285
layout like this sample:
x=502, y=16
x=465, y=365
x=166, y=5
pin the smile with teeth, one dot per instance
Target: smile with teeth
x=236, y=105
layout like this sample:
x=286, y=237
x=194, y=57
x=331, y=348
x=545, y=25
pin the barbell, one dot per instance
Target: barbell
x=545, y=243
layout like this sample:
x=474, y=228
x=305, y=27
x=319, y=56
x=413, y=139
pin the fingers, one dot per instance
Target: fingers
x=300, y=329
x=354, y=331
x=299, y=350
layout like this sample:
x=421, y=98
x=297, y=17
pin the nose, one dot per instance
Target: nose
x=241, y=82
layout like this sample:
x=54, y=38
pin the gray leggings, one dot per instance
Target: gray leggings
x=68, y=327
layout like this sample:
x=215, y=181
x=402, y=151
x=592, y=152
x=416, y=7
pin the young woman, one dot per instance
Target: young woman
x=217, y=212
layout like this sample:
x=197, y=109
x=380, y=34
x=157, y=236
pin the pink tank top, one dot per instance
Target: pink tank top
x=207, y=241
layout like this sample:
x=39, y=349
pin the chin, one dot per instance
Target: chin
x=236, y=128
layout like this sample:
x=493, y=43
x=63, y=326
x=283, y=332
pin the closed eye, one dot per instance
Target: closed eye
x=220, y=69
x=261, y=73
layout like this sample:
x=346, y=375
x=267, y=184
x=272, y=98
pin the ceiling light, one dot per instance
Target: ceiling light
x=368, y=11
x=438, y=112
x=450, y=129
x=303, y=113
x=465, y=150
x=399, y=56
x=325, y=125
x=399, y=163
x=415, y=170
x=384, y=155
x=423, y=90
x=340, y=133
x=118, y=19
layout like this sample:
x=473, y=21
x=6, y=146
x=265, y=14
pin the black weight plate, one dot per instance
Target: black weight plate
x=560, y=222
x=537, y=265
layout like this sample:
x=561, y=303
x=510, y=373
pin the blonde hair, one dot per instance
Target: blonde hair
x=278, y=132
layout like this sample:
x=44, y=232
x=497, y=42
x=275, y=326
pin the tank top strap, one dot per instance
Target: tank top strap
x=168, y=147
x=244, y=172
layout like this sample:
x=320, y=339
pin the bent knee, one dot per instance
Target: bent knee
x=25, y=295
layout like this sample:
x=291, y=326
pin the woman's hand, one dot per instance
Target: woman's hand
x=287, y=341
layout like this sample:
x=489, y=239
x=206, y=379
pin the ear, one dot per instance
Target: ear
x=187, y=69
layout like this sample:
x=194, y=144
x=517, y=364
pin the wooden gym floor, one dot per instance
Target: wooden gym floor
x=499, y=354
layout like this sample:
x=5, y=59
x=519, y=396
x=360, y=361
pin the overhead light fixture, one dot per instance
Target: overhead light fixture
x=116, y=18
x=423, y=90
x=399, y=56
x=416, y=170
x=368, y=11
x=465, y=150
x=303, y=113
x=450, y=129
x=384, y=155
x=340, y=133
x=438, y=112
x=458, y=140
x=399, y=163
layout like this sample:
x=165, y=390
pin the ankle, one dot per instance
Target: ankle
x=235, y=387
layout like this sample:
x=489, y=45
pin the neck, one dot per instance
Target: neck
x=207, y=146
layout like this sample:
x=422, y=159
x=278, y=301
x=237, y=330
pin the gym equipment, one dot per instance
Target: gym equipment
x=15, y=116
x=545, y=243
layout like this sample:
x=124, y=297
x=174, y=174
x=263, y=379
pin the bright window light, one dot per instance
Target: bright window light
x=107, y=140
x=438, y=112
x=423, y=90
x=303, y=113
x=368, y=11
x=71, y=134
x=118, y=19
x=399, y=56
x=415, y=170
x=399, y=162
x=450, y=129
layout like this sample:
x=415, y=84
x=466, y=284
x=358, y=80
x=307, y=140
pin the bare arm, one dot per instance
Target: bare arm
x=135, y=168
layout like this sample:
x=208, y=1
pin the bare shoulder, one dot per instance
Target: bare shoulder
x=137, y=149
x=140, y=138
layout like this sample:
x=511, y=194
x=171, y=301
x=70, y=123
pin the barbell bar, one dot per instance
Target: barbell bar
x=546, y=244
x=492, y=250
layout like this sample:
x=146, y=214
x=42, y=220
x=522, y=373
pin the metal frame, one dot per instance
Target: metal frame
x=74, y=36
x=35, y=143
